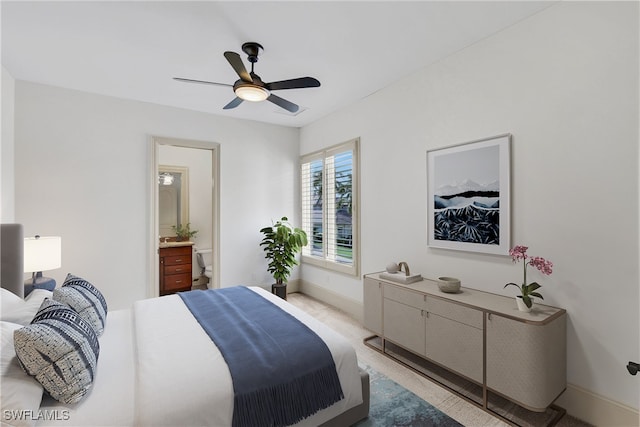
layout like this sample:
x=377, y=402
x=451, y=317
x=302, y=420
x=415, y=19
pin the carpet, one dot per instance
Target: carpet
x=394, y=406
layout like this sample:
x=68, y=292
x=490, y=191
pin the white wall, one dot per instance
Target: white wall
x=7, y=188
x=82, y=172
x=565, y=84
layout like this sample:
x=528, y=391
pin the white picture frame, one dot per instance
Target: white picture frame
x=469, y=196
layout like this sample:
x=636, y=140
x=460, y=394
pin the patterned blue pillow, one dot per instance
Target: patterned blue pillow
x=84, y=298
x=60, y=350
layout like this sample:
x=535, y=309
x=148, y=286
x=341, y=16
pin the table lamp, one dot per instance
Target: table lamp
x=40, y=254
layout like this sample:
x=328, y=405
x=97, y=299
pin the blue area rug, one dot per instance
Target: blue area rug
x=393, y=406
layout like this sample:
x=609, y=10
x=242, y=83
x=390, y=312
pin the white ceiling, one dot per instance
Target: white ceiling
x=133, y=49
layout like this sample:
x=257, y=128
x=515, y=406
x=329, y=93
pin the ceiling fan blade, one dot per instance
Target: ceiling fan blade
x=236, y=62
x=287, y=105
x=298, y=83
x=204, y=82
x=233, y=104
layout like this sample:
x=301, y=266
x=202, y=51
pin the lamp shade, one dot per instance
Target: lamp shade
x=42, y=253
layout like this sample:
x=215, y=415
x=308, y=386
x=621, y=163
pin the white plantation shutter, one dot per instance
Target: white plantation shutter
x=329, y=198
x=330, y=210
x=311, y=197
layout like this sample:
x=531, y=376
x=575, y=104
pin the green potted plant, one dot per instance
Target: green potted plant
x=281, y=243
x=184, y=233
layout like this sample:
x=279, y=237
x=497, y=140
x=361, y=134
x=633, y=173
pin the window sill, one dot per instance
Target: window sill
x=351, y=270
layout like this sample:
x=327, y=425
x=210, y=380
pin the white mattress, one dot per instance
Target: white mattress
x=111, y=400
x=181, y=378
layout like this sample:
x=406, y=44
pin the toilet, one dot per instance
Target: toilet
x=206, y=268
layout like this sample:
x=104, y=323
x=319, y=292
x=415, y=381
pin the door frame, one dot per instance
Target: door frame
x=153, y=288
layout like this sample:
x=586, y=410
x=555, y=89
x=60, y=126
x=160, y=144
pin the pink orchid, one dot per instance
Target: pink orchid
x=545, y=267
x=541, y=264
x=518, y=253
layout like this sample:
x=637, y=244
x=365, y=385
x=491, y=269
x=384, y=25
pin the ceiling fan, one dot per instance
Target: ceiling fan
x=250, y=86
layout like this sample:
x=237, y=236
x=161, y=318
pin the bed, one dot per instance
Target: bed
x=157, y=369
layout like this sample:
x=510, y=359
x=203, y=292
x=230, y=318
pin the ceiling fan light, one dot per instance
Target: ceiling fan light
x=251, y=93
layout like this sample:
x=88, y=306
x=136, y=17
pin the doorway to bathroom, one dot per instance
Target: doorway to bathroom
x=184, y=199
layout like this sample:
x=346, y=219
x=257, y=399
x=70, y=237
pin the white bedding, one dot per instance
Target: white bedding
x=181, y=377
x=111, y=399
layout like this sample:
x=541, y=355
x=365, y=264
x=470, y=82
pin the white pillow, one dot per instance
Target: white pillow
x=21, y=311
x=59, y=349
x=84, y=298
x=10, y=301
x=21, y=394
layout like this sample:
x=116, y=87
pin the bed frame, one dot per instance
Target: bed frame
x=12, y=279
x=11, y=253
x=356, y=413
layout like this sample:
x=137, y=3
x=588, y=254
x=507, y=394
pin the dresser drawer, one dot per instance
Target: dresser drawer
x=404, y=296
x=178, y=250
x=177, y=259
x=176, y=282
x=457, y=312
x=177, y=269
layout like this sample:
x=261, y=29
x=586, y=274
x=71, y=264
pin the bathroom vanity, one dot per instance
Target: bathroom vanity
x=176, y=260
x=475, y=343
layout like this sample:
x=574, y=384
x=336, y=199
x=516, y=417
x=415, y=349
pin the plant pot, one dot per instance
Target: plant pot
x=521, y=305
x=279, y=290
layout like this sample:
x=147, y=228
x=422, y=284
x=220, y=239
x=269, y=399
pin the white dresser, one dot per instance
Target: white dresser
x=480, y=337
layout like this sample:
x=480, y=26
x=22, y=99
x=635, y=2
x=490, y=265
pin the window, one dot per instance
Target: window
x=329, y=185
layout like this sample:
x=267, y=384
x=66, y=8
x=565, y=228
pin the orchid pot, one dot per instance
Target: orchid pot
x=521, y=304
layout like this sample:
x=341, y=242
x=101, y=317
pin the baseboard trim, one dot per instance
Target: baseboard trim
x=595, y=409
x=348, y=305
x=292, y=286
x=578, y=402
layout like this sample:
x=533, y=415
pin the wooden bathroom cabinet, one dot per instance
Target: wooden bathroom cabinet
x=175, y=268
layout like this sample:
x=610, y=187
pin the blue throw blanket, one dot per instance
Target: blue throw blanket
x=282, y=371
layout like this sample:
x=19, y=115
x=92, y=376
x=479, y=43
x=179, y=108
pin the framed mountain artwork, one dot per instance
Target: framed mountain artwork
x=468, y=196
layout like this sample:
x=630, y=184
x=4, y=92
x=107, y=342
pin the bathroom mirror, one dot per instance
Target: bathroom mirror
x=173, y=198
